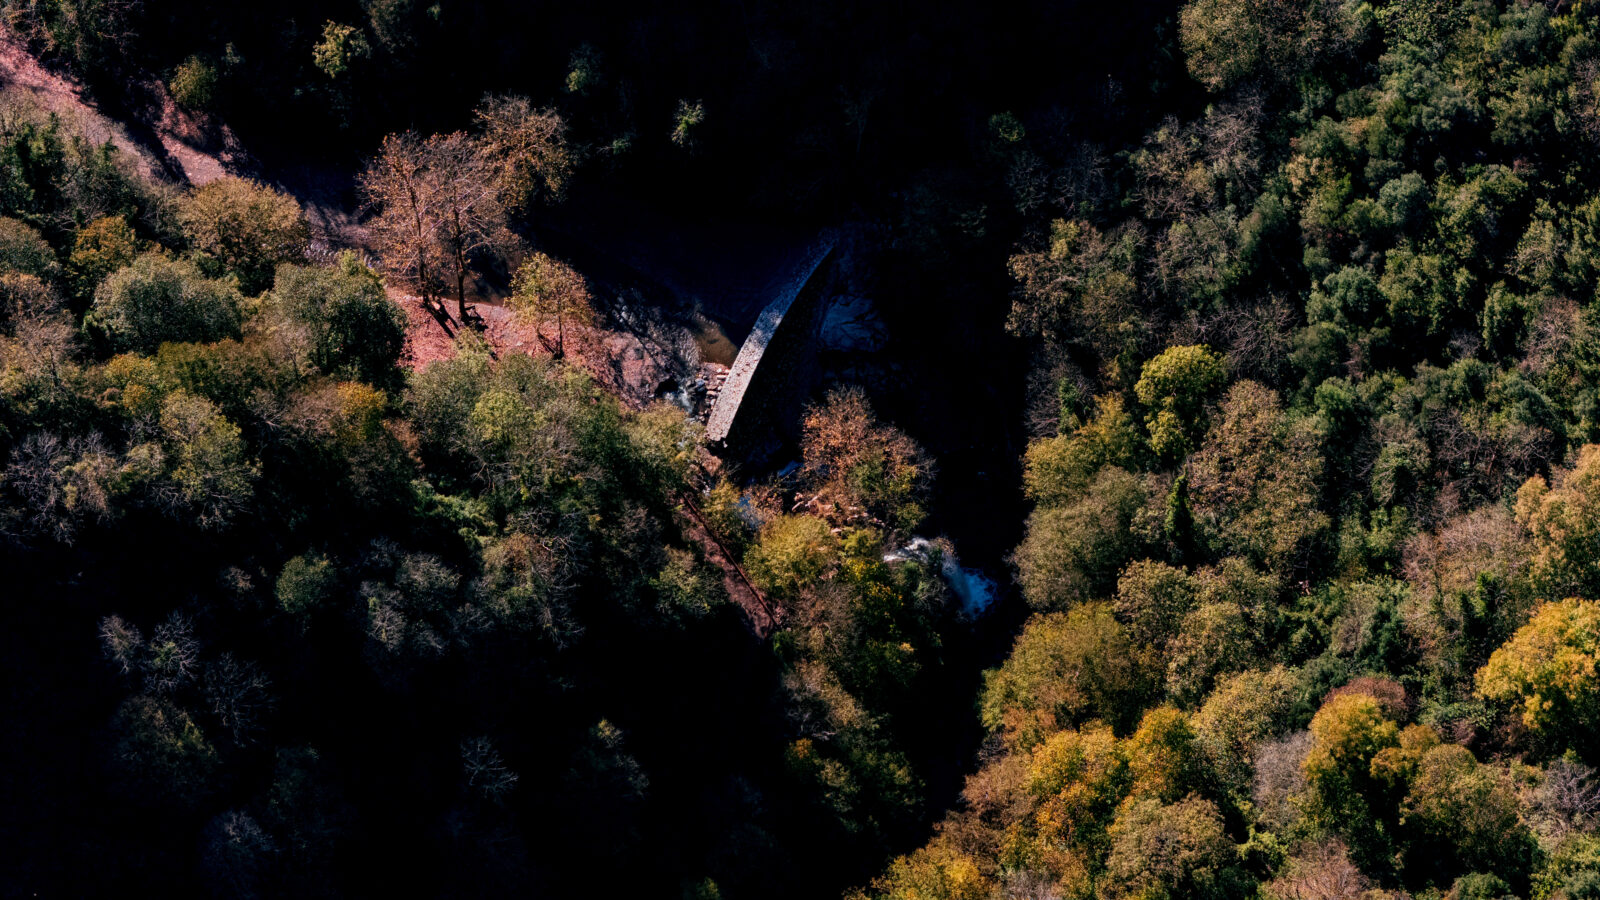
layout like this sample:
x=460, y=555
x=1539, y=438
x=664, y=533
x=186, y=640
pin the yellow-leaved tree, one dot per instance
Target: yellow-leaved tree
x=1564, y=520
x=1551, y=668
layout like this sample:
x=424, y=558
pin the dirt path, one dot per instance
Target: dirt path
x=761, y=615
x=178, y=148
x=166, y=143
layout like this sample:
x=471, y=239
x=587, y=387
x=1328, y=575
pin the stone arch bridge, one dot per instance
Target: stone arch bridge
x=757, y=410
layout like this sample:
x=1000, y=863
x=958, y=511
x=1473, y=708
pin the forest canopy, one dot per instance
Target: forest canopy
x=1249, y=348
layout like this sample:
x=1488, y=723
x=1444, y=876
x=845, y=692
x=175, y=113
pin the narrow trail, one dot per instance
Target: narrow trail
x=178, y=147
x=762, y=616
x=167, y=143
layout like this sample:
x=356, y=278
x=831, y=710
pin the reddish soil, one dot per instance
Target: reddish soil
x=170, y=144
x=179, y=147
x=427, y=339
x=614, y=358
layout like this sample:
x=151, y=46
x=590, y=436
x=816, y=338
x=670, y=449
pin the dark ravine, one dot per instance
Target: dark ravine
x=942, y=451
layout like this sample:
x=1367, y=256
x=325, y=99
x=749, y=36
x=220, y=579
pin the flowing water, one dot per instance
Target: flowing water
x=972, y=587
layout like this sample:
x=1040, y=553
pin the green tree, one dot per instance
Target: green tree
x=162, y=755
x=547, y=291
x=98, y=249
x=1152, y=599
x=243, y=228
x=23, y=249
x=1242, y=713
x=306, y=583
x=341, y=48
x=1461, y=816
x=342, y=56
x=211, y=477
x=1425, y=298
x=686, y=589
x=1065, y=668
x=1214, y=640
x=1161, y=851
x=194, y=84
x=159, y=299
x=1075, y=551
x=1230, y=43
x=97, y=37
x=663, y=443
x=348, y=418
x=1175, y=387
x=528, y=585
x=355, y=330
x=1565, y=524
x=1572, y=870
x=792, y=553
x=1059, y=469
x=687, y=122
x=1344, y=795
